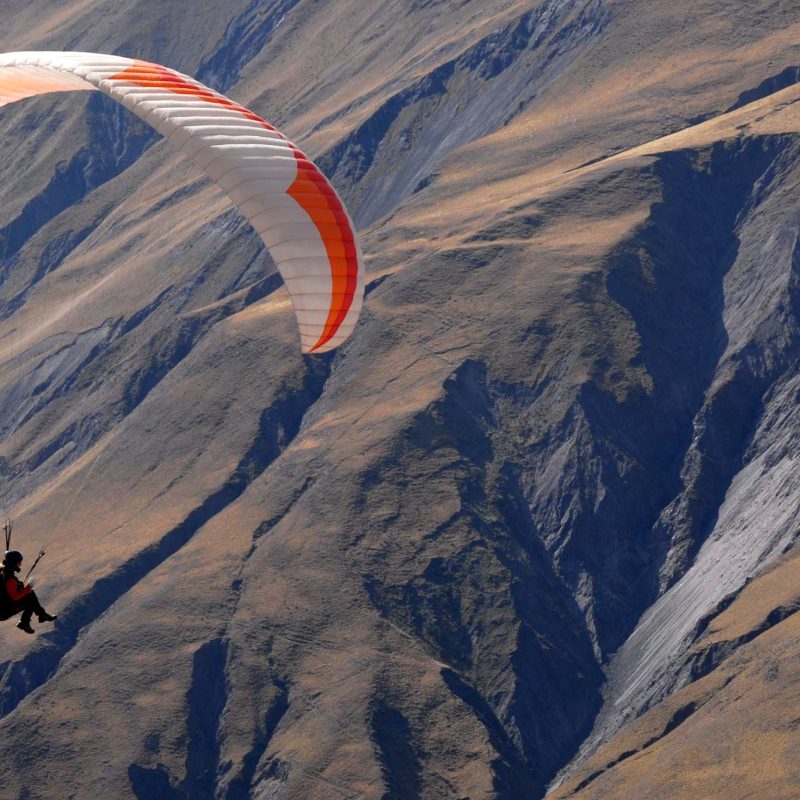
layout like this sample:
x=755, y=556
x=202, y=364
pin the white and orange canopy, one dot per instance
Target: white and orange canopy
x=284, y=196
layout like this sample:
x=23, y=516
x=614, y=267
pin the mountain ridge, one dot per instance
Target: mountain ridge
x=406, y=569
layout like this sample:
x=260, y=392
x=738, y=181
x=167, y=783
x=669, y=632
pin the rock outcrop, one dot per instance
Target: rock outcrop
x=458, y=556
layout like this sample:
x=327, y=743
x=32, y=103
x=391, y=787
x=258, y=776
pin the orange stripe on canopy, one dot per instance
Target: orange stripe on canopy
x=339, y=243
x=147, y=75
x=310, y=190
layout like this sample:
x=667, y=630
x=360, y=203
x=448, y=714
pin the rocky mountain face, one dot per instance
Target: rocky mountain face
x=732, y=731
x=534, y=516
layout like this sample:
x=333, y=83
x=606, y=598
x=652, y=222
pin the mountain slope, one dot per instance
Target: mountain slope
x=405, y=569
x=732, y=733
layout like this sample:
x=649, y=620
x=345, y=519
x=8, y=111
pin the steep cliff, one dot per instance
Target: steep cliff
x=458, y=555
x=732, y=731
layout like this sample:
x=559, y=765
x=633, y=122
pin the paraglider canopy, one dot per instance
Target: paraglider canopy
x=288, y=201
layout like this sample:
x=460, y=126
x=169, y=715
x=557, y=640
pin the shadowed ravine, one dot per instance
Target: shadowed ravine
x=515, y=530
x=382, y=163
